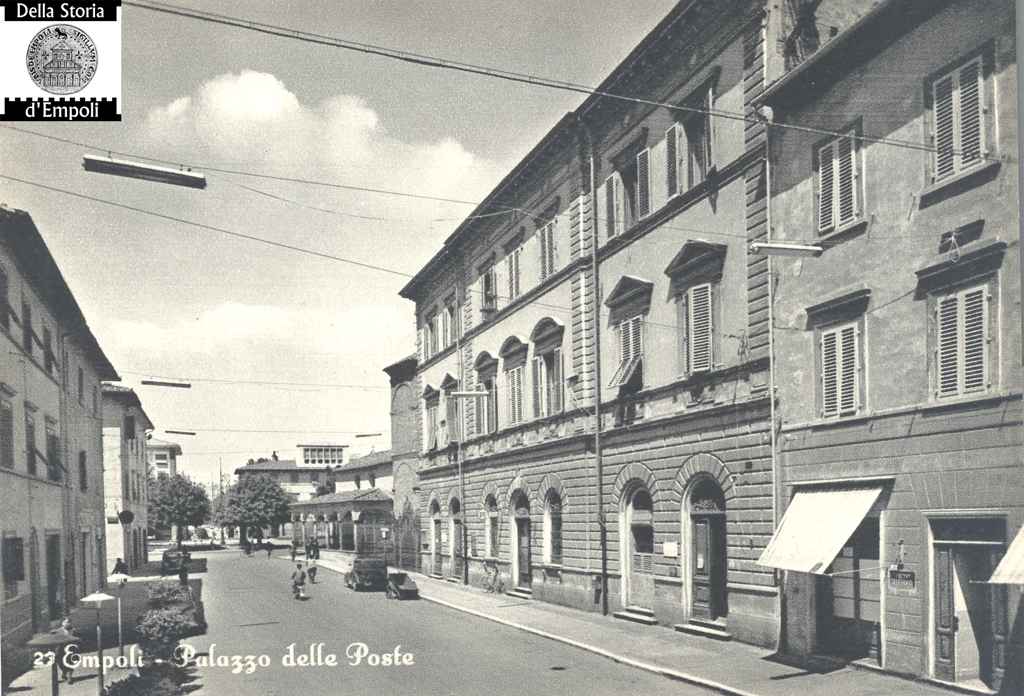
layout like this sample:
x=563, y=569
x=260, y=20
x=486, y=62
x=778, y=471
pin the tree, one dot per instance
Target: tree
x=255, y=501
x=328, y=485
x=177, y=500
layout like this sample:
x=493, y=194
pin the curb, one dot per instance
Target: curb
x=663, y=671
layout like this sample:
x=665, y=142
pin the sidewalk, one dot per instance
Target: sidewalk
x=721, y=667
x=38, y=681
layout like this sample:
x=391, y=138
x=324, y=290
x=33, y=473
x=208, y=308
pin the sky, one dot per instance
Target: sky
x=283, y=347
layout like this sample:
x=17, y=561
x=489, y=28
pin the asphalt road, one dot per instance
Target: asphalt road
x=252, y=615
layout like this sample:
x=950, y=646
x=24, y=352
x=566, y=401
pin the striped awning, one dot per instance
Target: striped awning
x=1010, y=570
x=818, y=522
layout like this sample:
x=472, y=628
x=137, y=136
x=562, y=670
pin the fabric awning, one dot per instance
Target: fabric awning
x=817, y=524
x=1010, y=570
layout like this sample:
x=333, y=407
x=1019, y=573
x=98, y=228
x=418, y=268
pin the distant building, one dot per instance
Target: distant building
x=371, y=471
x=125, y=480
x=51, y=439
x=163, y=457
x=299, y=476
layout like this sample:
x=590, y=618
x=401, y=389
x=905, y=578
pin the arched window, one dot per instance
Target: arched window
x=491, y=522
x=553, y=528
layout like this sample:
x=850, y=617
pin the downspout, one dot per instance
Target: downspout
x=596, y=299
x=776, y=480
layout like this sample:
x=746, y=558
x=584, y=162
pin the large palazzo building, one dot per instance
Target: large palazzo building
x=736, y=347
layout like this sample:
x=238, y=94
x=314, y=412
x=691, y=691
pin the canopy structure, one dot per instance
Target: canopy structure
x=1010, y=570
x=817, y=524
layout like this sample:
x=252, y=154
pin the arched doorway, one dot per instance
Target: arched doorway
x=435, y=546
x=455, y=530
x=522, y=570
x=639, y=523
x=708, y=563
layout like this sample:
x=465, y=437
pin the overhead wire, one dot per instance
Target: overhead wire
x=507, y=75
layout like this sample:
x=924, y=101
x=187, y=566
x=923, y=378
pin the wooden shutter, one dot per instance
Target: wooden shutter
x=672, y=161
x=547, y=250
x=637, y=345
x=949, y=367
x=848, y=401
x=700, y=328
x=452, y=418
x=974, y=340
x=830, y=373
x=643, y=183
x=944, y=126
x=846, y=188
x=512, y=267
x=432, y=427
x=538, y=386
x=555, y=382
x=515, y=395
x=6, y=435
x=839, y=375
x=826, y=186
x=970, y=113
x=613, y=208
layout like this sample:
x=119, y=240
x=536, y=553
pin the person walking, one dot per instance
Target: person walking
x=295, y=549
x=66, y=633
x=120, y=567
x=270, y=547
x=298, y=581
x=311, y=572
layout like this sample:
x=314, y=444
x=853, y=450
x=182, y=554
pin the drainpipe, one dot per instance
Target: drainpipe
x=776, y=479
x=596, y=299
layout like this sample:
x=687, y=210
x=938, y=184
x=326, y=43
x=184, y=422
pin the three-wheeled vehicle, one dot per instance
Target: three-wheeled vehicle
x=401, y=586
x=364, y=556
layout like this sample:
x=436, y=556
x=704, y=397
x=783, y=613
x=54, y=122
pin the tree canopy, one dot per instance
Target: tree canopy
x=254, y=501
x=177, y=500
x=328, y=485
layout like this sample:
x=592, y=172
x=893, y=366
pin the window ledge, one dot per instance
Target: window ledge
x=837, y=235
x=959, y=183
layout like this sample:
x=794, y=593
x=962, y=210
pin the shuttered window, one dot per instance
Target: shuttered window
x=432, y=426
x=546, y=374
x=512, y=266
x=696, y=330
x=643, y=184
x=672, y=161
x=553, y=528
x=613, y=213
x=630, y=350
x=962, y=321
x=840, y=364
x=838, y=176
x=957, y=123
x=514, y=377
x=547, y=250
x=6, y=435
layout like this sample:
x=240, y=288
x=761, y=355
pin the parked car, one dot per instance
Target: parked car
x=172, y=561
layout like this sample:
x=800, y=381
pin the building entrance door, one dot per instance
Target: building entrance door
x=525, y=578
x=708, y=552
x=53, y=575
x=640, y=517
x=970, y=621
x=438, y=558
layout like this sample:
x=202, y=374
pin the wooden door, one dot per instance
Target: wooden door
x=456, y=548
x=523, y=544
x=945, y=615
x=641, y=570
x=701, y=568
x=437, y=547
x=53, y=576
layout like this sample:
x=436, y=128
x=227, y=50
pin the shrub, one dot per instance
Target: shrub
x=158, y=683
x=161, y=629
x=167, y=593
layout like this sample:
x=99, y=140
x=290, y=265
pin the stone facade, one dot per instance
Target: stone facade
x=51, y=452
x=898, y=346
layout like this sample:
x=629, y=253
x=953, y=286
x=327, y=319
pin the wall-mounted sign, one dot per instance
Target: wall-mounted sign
x=902, y=581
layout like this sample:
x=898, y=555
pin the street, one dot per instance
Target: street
x=252, y=615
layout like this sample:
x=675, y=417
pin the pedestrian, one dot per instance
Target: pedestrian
x=66, y=633
x=270, y=547
x=183, y=574
x=120, y=567
x=298, y=582
x=316, y=549
x=295, y=549
x=311, y=572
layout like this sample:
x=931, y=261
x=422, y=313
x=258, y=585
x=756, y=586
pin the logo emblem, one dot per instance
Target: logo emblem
x=61, y=59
